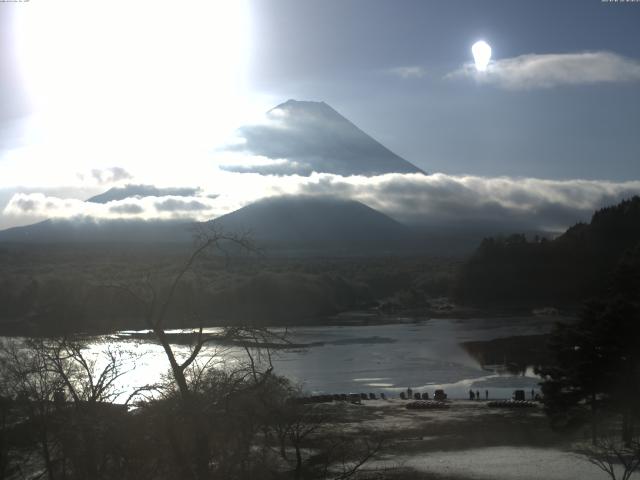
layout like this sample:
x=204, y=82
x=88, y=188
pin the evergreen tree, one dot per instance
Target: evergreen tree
x=596, y=369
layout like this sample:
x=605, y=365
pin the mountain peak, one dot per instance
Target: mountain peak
x=303, y=104
x=317, y=138
x=307, y=110
x=294, y=102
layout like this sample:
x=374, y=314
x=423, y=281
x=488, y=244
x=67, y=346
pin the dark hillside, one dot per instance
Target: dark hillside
x=516, y=271
x=318, y=224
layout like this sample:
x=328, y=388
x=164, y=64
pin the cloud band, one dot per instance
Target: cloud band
x=533, y=71
x=436, y=200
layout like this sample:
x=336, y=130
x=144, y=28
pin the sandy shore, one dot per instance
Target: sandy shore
x=498, y=463
x=469, y=441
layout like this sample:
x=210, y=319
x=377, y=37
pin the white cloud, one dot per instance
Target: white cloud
x=110, y=175
x=413, y=71
x=438, y=199
x=458, y=200
x=549, y=70
x=245, y=163
x=40, y=206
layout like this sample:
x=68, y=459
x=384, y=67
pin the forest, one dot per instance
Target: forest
x=56, y=288
x=559, y=272
x=63, y=413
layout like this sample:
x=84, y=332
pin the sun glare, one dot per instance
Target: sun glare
x=123, y=76
x=481, y=54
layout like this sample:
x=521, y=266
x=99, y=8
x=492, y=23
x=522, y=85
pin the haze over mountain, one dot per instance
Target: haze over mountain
x=445, y=214
x=302, y=137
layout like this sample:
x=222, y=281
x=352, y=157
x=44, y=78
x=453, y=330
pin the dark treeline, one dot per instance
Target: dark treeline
x=514, y=354
x=49, y=290
x=514, y=270
x=592, y=376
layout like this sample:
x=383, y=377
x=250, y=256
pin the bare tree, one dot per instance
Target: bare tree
x=193, y=459
x=88, y=379
x=33, y=386
x=618, y=459
x=346, y=456
x=293, y=423
x=320, y=448
x=155, y=304
x=65, y=395
x=208, y=420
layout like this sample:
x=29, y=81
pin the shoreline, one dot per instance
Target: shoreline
x=352, y=318
x=468, y=441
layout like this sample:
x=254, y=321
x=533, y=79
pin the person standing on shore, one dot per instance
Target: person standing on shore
x=471, y=395
x=486, y=394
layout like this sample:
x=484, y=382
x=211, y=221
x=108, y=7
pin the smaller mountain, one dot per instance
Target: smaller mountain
x=320, y=224
x=289, y=224
x=139, y=191
x=312, y=136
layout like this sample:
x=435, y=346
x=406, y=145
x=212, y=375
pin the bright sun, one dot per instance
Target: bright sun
x=132, y=74
x=481, y=54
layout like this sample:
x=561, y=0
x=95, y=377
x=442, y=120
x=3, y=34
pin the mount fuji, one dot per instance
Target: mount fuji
x=302, y=137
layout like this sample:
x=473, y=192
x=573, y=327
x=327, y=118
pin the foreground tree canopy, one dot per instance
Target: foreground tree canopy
x=596, y=369
x=64, y=417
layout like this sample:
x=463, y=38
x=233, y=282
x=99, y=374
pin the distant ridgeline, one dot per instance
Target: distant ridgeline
x=578, y=264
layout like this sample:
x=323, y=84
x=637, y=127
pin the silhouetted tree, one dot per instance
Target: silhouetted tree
x=597, y=360
x=61, y=397
x=207, y=421
x=616, y=458
x=192, y=454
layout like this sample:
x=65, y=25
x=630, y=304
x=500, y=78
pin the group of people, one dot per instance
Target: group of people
x=476, y=395
x=438, y=395
x=473, y=395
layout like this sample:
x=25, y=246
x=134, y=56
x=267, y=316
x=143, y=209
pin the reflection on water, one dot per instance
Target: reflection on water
x=515, y=355
x=384, y=358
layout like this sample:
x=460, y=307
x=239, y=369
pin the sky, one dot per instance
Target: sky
x=100, y=94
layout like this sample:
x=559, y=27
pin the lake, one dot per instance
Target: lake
x=425, y=356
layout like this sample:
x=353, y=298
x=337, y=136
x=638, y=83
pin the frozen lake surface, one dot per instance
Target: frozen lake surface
x=425, y=356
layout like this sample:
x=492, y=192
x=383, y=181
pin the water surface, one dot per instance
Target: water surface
x=425, y=356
